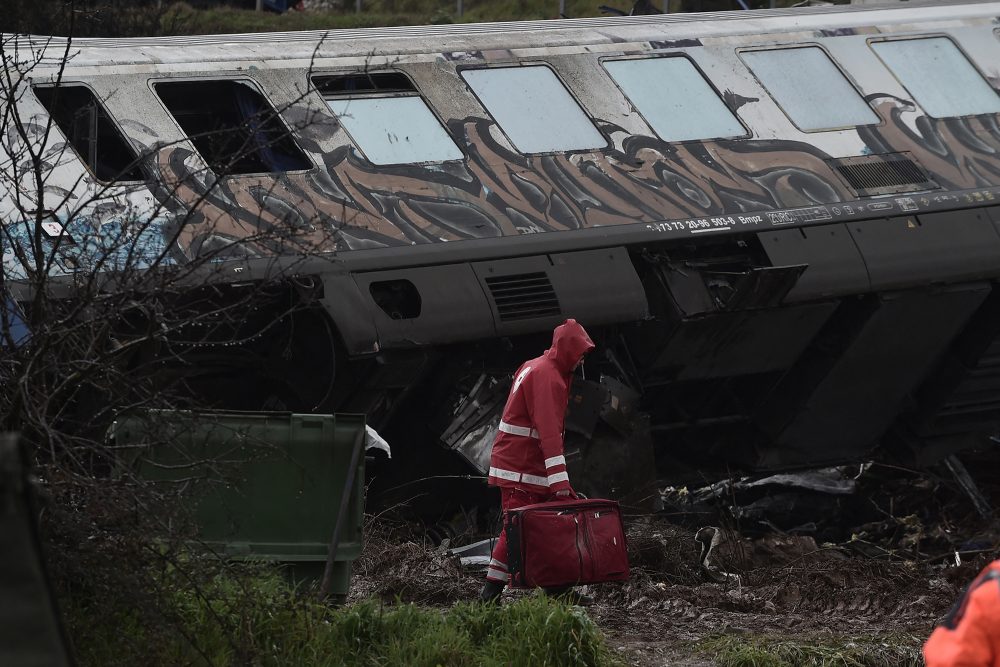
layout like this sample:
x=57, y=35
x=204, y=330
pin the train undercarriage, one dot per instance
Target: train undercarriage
x=716, y=357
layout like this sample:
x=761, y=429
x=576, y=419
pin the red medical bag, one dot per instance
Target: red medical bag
x=566, y=542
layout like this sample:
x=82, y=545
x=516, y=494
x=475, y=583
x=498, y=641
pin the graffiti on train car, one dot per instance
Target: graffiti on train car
x=353, y=204
x=695, y=187
x=960, y=152
x=500, y=193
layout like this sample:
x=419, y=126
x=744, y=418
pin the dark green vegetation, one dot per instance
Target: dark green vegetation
x=827, y=651
x=376, y=13
x=104, y=18
x=253, y=617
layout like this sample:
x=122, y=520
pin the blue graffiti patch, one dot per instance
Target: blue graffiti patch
x=83, y=245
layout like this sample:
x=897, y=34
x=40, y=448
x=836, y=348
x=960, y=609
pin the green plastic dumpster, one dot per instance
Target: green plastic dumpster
x=260, y=485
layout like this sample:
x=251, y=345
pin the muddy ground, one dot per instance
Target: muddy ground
x=884, y=585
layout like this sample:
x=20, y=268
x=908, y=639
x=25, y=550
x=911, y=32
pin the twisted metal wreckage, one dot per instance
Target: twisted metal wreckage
x=779, y=227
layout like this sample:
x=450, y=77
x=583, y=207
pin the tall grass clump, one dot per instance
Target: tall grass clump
x=254, y=617
x=753, y=651
x=534, y=631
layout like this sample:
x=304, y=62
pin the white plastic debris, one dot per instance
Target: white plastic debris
x=374, y=441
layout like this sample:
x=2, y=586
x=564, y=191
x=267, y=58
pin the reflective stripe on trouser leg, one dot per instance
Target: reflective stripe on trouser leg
x=497, y=570
x=510, y=499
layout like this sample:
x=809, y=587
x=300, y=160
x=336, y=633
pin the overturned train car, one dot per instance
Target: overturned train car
x=782, y=228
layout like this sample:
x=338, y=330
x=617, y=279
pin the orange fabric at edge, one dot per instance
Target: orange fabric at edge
x=970, y=636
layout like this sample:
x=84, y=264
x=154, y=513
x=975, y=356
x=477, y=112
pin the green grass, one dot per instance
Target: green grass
x=756, y=651
x=260, y=620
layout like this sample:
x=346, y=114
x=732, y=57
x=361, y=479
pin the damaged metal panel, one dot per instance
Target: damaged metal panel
x=699, y=290
x=852, y=401
x=608, y=445
x=834, y=265
x=426, y=305
x=351, y=311
x=598, y=286
x=476, y=421
x=743, y=342
x=929, y=248
x=957, y=405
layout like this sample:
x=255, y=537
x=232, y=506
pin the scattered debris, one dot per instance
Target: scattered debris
x=609, y=450
x=374, y=441
x=475, y=554
x=708, y=538
x=961, y=475
x=911, y=542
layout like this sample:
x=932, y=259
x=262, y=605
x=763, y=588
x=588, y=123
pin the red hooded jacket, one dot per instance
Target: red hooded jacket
x=970, y=635
x=528, y=450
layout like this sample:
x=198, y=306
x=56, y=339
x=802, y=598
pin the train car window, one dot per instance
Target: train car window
x=366, y=82
x=534, y=109
x=387, y=118
x=809, y=88
x=939, y=76
x=675, y=99
x=233, y=127
x=89, y=129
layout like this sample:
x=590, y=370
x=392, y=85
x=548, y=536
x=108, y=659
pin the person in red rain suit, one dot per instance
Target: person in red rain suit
x=527, y=462
x=970, y=634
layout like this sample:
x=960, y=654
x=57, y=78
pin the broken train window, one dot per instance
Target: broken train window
x=387, y=119
x=534, y=109
x=91, y=132
x=234, y=128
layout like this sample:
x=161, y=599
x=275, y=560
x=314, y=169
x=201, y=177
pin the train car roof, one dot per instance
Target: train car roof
x=306, y=45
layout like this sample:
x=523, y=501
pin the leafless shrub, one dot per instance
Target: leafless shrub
x=109, y=308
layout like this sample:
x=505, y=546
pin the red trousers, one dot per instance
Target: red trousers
x=510, y=499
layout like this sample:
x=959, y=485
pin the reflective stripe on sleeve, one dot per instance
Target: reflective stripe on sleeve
x=523, y=431
x=558, y=477
x=555, y=461
x=494, y=563
x=512, y=476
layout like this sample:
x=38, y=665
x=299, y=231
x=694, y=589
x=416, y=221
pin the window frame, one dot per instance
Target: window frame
x=843, y=73
x=913, y=38
x=242, y=77
x=416, y=92
x=569, y=91
x=747, y=132
x=140, y=160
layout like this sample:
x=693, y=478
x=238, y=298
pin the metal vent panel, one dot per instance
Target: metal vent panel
x=886, y=174
x=523, y=296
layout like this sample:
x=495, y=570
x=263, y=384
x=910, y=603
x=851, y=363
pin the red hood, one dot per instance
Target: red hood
x=569, y=343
